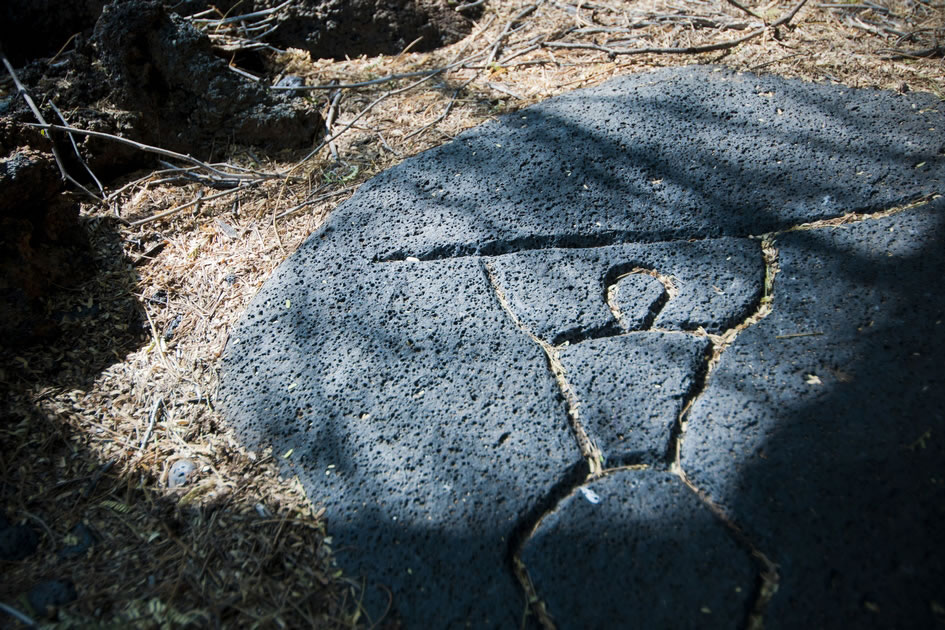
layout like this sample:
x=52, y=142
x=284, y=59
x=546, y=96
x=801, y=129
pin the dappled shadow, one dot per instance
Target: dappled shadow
x=839, y=479
x=380, y=362
x=133, y=553
x=87, y=325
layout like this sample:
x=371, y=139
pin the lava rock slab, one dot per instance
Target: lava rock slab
x=563, y=295
x=390, y=363
x=822, y=445
x=666, y=560
x=428, y=425
x=632, y=388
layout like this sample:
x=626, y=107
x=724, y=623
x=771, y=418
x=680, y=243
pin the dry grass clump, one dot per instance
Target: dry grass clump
x=92, y=424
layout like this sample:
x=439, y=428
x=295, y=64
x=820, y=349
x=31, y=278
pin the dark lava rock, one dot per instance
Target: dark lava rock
x=632, y=388
x=347, y=28
x=40, y=28
x=828, y=449
x=46, y=596
x=562, y=294
x=42, y=244
x=666, y=560
x=17, y=542
x=392, y=360
x=448, y=429
x=165, y=71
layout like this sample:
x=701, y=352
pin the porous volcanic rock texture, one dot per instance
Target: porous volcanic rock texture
x=618, y=355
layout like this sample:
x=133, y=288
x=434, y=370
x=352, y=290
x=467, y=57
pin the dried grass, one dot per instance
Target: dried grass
x=238, y=545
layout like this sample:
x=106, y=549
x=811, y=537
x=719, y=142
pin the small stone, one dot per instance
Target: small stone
x=50, y=594
x=180, y=473
x=290, y=81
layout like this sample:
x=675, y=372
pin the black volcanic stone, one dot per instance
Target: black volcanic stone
x=649, y=539
x=823, y=447
x=395, y=360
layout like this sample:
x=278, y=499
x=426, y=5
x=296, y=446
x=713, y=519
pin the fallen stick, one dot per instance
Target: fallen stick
x=361, y=84
x=75, y=148
x=314, y=200
x=21, y=90
x=508, y=31
x=176, y=209
x=682, y=50
x=255, y=175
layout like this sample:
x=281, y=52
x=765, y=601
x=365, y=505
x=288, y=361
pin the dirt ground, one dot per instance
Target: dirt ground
x=93, y=423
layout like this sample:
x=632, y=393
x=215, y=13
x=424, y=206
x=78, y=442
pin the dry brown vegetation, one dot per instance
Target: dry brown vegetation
x=91, y=426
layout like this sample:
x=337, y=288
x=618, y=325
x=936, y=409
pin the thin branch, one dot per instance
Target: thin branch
x=894, y=53
x=683, y=50
x=244, y=73
x=21, y=90
x=112, y=196
x=152, y=419
x=373, y=104
x=240, y=18
x=442, y=116
x=742, y=7
x=249, y=175
x=508, y=31
x=16, y=614
x=330, y=120
x=470, y=5
x=360, y=84
x=176, y=209
x=787, y=17
x=519, y=53
x=75, y=148
x=313, y=201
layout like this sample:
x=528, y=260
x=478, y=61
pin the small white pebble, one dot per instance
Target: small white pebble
x=180, y=473
x=590, y=495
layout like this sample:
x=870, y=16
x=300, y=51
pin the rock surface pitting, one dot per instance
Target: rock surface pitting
x=617, y=272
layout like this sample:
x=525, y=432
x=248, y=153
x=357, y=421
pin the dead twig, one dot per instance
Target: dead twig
x=741, y=7
x=16, y=614
x=313, y=201
x=330, y=120
x=359, y=84
x=497, y=44
x=200, y=199
x=446, y=112
x=469, y=5
x=152, y=418
x=895, y=53
x=247, y=174
x=49, y=531
x=238, y=18
x=374, y=104
x=21, y=90
x=78, y=155
x=681, y=50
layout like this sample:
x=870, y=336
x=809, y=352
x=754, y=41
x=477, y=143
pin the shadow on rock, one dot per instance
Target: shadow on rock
x=828, y=448
x=382, y=359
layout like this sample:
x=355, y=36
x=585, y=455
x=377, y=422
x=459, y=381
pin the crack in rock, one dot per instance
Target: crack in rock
x=594, y=457
x=652, y=310
x=492, y=248
x=589, y=450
